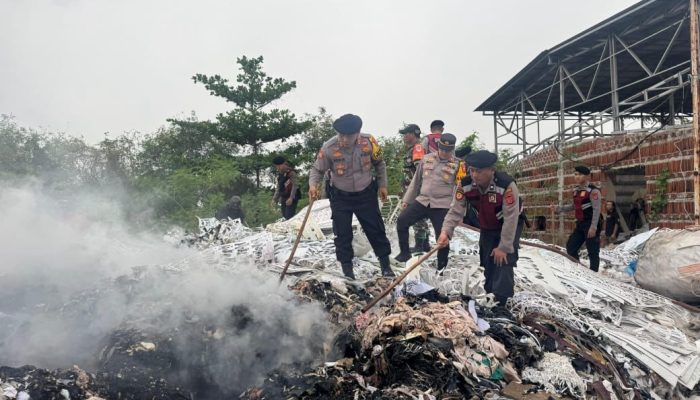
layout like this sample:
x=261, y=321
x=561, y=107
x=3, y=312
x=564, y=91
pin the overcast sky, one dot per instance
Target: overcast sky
x=87, y=67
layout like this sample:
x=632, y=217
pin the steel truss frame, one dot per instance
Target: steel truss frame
x=518, y=126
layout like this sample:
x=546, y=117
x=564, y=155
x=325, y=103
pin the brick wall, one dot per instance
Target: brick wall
x=670, y=149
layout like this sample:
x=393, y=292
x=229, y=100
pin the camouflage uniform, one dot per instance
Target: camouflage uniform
x=410, y=163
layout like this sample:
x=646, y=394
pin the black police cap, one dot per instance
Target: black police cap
x=481, y=159
x=410, y=128
x=447, y=142
x=437, y=124
x=279, y=160
x=348, y=124
x=582, y=169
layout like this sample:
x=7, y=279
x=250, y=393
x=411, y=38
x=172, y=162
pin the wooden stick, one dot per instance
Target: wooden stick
x=296, y=243
x=399, y=278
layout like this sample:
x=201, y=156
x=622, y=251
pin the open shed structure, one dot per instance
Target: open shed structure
x=617, y=97
x=634, y=64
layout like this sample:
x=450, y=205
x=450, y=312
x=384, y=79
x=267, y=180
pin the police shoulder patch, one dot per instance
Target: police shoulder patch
x=376, y=149
x=594, y=194
x=459, y=193
x=509, y=198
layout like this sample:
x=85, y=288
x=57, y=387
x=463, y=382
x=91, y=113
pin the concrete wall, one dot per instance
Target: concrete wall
x=670, y=149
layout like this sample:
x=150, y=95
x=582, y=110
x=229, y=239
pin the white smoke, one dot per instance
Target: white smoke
x=67, y=281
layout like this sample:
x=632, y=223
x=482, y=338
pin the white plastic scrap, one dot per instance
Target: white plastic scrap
x=546, y=283
x=9, y=391
x=557, y=375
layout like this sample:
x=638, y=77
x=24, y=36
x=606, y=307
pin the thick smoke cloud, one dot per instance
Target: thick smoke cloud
x=72, y=274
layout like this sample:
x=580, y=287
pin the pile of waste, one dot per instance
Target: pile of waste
x=567, y=333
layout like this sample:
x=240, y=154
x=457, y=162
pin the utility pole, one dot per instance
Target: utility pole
x=696, y=106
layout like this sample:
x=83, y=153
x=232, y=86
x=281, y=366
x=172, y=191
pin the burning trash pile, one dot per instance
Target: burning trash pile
x=195, y=328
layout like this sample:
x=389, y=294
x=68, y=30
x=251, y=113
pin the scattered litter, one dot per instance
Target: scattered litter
x=567, y=331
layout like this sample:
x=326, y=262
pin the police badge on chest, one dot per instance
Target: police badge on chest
x=492, y=197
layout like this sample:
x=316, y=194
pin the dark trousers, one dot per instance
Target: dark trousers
x=414, y=213
x=500, y=280
x=288, y=211
x=365, y=206
x=578, y=237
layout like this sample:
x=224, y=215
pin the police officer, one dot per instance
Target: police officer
x=414, y=154
x=496, y=197
x=287, y=192
x=350, y=156
x=586, y=206
x=232, y=209
x=430, y=195
x=430, y=143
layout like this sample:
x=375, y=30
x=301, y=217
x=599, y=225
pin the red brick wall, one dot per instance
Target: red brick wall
x=670, y=149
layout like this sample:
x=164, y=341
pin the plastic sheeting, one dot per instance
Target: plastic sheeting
x=670, y=265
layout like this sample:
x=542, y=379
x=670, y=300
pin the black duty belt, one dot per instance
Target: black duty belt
x=353, y=194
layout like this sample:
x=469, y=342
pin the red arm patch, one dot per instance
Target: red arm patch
x=418, y=152
x=594, y=195
x=509, y=198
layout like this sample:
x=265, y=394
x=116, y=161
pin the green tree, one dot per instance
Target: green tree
x=250, y=124
x=303, y=149
x=393, y=151
x=472, y=141
x=183, y=144
x=190, y=192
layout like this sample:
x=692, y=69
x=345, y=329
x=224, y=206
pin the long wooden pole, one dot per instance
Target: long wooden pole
x=296, y=243
x=696, y=107
x=399, y=278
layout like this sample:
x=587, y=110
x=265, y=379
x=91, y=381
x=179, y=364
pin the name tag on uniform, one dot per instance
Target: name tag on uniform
x=492, y=197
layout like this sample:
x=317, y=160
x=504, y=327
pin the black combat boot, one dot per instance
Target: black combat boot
x=386, y=269
x=403, y=257
x=347, y=270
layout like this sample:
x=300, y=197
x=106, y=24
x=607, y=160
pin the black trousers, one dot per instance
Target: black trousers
x=288, y=211
x=365, y=206
x=579, y=236
x=414, y=213
x=500, y=280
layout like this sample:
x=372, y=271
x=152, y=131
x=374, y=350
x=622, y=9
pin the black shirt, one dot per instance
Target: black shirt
x=610, y=221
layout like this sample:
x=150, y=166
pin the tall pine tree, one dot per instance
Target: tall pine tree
x=253, y=122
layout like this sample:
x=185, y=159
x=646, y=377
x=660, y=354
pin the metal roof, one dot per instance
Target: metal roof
x=657, y=32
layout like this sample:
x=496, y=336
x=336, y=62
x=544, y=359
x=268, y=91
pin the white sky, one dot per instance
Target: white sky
x=87, y=67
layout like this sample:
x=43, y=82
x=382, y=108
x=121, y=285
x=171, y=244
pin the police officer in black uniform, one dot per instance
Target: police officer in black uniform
x=586, y=207
x=287, y=192
x=232, y=209
x=495, y=195
x=351, y=157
